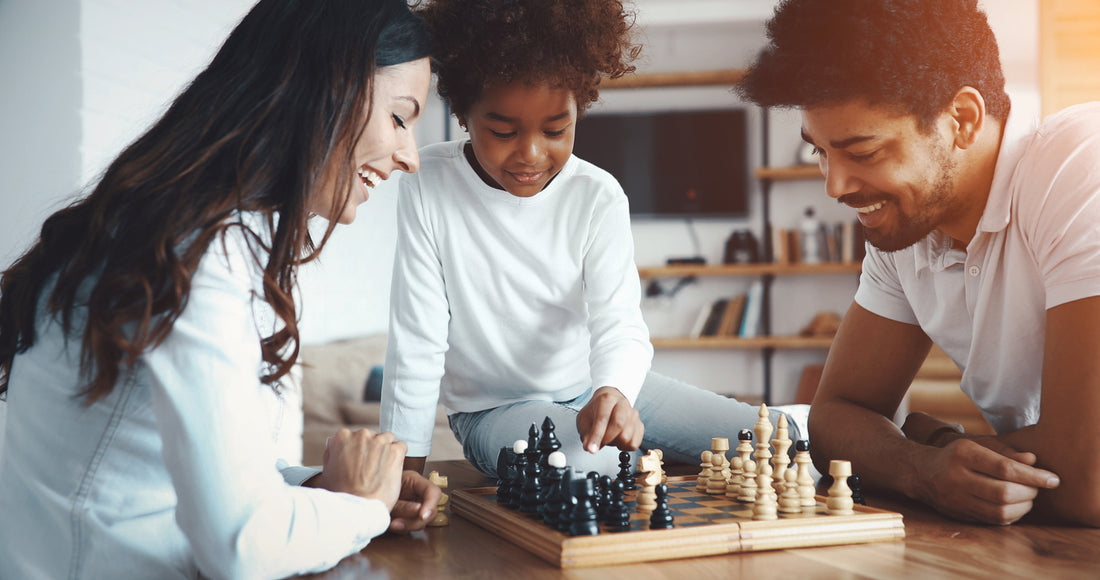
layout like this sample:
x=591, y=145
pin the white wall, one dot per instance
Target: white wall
x=39, y=115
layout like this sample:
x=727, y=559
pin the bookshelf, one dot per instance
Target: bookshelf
x=767, y=271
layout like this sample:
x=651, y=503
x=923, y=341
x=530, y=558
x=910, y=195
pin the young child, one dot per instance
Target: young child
x=515, y=293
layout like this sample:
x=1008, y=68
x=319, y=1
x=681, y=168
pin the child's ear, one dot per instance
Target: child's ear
x=461, y=121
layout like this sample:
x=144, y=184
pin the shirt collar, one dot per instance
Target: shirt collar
x=1018, y=131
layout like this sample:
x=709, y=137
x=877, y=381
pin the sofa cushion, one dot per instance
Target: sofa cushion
x=335, y=372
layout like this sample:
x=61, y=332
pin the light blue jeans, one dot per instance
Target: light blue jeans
x=680, y=419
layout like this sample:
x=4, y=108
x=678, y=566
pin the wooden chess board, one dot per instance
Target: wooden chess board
x=706, y=525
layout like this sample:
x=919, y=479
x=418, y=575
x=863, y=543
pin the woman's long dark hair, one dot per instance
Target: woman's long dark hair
x=282, y=102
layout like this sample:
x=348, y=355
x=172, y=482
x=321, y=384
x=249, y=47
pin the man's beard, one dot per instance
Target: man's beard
x=934, y=205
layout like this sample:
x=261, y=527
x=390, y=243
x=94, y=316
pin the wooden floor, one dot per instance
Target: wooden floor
x=934, y=547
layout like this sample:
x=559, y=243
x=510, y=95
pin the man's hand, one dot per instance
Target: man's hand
x=986, y=480
x=417, y=503
x=363, y=463
x=608, y=419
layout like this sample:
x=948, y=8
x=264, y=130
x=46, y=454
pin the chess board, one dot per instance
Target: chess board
x=705, y=525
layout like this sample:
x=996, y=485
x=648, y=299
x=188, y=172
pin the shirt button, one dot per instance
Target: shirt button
x=974, y=270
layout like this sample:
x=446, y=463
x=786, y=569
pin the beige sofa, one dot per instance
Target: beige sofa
x=334, y=375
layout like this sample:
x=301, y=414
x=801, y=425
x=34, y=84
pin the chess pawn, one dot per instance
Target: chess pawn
x=626, y=473
x=789, y=502
x=721, y=445
x=840, y=495
x=744, y=445
x=805, y=481
x=516, y=489
x=855, y=483
x=618, y=515
x=440, y=518
x=765, y=506
x=584, y=514
x=748, y=483
x=704, y=471
x=717, y=482
x=737, y=473
x=661, y=518
x=781, y=444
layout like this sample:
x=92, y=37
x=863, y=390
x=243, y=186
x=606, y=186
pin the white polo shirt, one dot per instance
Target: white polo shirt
x=1037, y=246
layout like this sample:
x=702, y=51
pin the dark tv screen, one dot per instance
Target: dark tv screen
x=674, y=164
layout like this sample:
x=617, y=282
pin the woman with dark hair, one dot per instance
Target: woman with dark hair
x=146, y=332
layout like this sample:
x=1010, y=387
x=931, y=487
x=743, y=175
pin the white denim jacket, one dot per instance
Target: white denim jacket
x=174, y=473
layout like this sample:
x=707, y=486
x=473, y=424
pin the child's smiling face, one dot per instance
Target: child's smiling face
x=521, y=135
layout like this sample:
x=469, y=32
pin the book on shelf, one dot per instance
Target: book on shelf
x=750, y=322
x=731, y=318
x=841, y=242
x=701, y=320
x=714, y=318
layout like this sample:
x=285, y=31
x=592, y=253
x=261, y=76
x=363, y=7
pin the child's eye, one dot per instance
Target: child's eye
x=555, y=133
x=500, y=135
x=399, y=121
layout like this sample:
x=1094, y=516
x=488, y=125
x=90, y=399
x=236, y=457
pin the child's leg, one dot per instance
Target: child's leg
x=681, y=419
x=483, y=433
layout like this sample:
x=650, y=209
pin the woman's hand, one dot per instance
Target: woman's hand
x=363, y=463
x=608, y=419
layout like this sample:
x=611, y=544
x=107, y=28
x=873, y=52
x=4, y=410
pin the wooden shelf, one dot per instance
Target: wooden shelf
x=789, y=173
x=720, y=77
x=684, y=270
x=733, y=342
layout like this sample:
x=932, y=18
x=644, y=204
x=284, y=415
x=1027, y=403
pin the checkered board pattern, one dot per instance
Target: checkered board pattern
x=704, y=525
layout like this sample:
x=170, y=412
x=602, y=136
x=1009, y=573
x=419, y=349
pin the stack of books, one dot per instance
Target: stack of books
x=732, y=316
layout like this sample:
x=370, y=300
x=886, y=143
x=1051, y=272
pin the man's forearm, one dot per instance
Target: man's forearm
x=879, y=451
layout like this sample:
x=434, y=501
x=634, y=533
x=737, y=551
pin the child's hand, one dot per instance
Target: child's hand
x=608, y=419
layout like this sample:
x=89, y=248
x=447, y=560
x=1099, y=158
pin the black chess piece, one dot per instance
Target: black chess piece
x=618, y=513
x=506, y=466
x=584, y=514
x=626, y=471
x=516, y=489
x=533, y=453
x=566, y=501
x=532, y=486
x=855, y=483
x=548, y=443
x=549, y=501
x=661, y=518
x=603, y=497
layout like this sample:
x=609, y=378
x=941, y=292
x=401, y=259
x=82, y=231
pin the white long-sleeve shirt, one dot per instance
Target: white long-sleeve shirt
x=174, y=472
x=498, y=298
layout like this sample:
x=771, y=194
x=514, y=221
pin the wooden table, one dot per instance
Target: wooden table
x=934, y=547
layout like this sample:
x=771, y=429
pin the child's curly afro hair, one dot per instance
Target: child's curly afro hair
x=566, y=43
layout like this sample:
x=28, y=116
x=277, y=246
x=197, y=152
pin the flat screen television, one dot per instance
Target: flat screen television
x=672, y=164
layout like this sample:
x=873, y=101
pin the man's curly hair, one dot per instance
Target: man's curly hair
x=569, y=44
x=913, y=55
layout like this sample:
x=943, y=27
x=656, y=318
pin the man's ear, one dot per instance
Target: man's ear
x=967, y=111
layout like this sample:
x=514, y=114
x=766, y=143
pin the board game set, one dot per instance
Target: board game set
x=574, y=520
